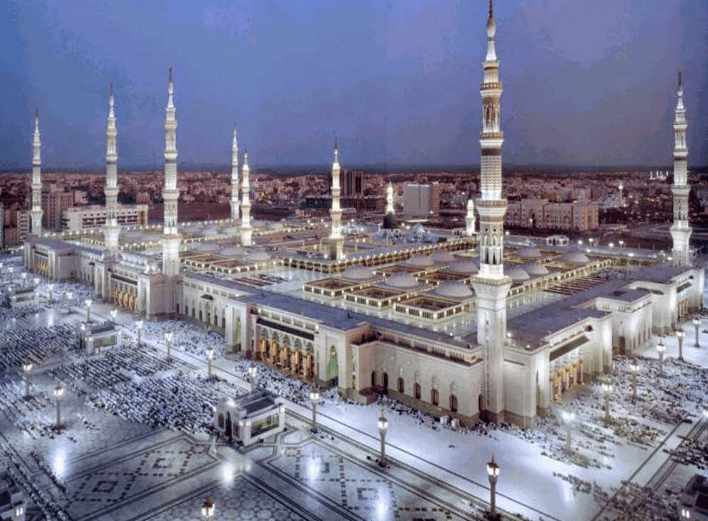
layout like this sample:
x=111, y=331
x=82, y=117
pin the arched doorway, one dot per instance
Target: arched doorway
x=385, y=383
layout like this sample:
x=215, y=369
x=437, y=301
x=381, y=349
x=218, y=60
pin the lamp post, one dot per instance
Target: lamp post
x=88, y=303
x=36, y=281
x=607, y=388
x=660, y=347
x=383, y=428
x=680, y=334
x=58, y=393
x=314, y=396
x=634, y=367
x=252, y=372
x=69, y=296
x=210, y=358
x=208, y=508
x=27, y=368
x=568, y=417
x=114, y=314
x=139, y=324
x=493, y=474
x=50, y=289
x=697, y=325
x=168, y=342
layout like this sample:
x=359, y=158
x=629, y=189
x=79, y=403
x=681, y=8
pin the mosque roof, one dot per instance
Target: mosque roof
x=574, y=257
x=442, y=256
x=465, y=267
x=529, y=252
x=419, y=261
x=402, y=281
x=516, y=274
x=358, y=273
x=454, y=290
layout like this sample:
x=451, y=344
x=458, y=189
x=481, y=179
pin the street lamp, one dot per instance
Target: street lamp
x=58, y=393
x=493, y=474
x=607, y=388
x=634, y=367
x=208, y=507
x=680, y=334
x=139, y=324
x=36, y=281
x=88, y=303
x=697, y=325
x=210, y=357
x=27, y=368
x=252, y=372
x=568, y=417
x=168, y=341
x=383, y=428
x=314, y=396
x=114, y=314
x=50, y=288
x=660, y=347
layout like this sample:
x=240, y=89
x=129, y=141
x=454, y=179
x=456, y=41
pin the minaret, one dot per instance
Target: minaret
x=246, y=230
x=389, y=199
x=470, y=219
x=111, y=230
x=170, y=238
x=491, y=285
x=234, y=178
x=336, y=241
x=36, y=212
x=680, y=229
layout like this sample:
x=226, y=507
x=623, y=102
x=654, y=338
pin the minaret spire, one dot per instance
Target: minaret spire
x=336, y=241
x=680, y=229
x=490, y=284
x=36, y=212
x=111, y=230
x=234, y=177
x=170, y=194
x=246, y=230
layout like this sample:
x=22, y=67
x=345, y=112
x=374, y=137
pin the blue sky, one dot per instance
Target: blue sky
x=585, y=82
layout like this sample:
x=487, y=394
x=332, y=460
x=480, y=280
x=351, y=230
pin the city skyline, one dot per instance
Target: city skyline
x=589, y=85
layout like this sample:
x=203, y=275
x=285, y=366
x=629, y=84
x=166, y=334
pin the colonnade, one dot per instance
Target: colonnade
x=288, y=354
x=565, y=378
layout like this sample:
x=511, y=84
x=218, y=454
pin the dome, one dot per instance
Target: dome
x=535, y=269
x=464, y=267
x=442, y=256
x=209, y=232
x=419, y=261
x=358, y=273
x=231, y=230
x=389, y=222
x=131, y=234
x=206, y=246
x=454, y=290
x=231, y=251
x=529, y=252
x=402, y=281
x=516, y=274
x=574, y=257
x=258, y=256
x=418, y=228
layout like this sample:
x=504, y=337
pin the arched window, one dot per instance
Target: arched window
x=416, y=391
x=373, y=378
x=401, y=385
x=453, y=403
x=434, y=396
x=385, y=382
x=221, y=421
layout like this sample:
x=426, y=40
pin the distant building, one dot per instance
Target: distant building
x=693, y=501
x=542, y=214
x=87, y=217
x=421, y=201
x=53, y=205
x=12, y=502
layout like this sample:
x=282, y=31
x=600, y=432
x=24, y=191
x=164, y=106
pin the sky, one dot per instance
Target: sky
x=587, y=82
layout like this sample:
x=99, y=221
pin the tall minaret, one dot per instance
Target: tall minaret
x=170, y=238
x=336, y=241
x=491, y=285
x=389, y=199
x=36, y=212
x=111, y=230
x=680, y=230
x=470, y=219
x=246, y=229
x=234, y=178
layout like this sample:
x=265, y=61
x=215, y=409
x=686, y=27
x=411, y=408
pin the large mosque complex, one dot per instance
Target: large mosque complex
x=470, y=325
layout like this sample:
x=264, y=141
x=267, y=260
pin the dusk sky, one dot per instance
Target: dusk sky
x=590, y=82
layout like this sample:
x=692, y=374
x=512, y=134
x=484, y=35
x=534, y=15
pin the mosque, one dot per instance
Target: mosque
x=454, y=326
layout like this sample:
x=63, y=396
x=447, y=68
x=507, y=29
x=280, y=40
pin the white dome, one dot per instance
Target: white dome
x=516, y=274
x=258, y=256
x=442, y=256
x=358, y=273
x=464, y=267
x=535, y=269
x=454, y=290
x=419, y=261
x=231, y=251
x=402, y=280
x=206, y=246
x=574, y=257
x=209, y=232
x=529, y=252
